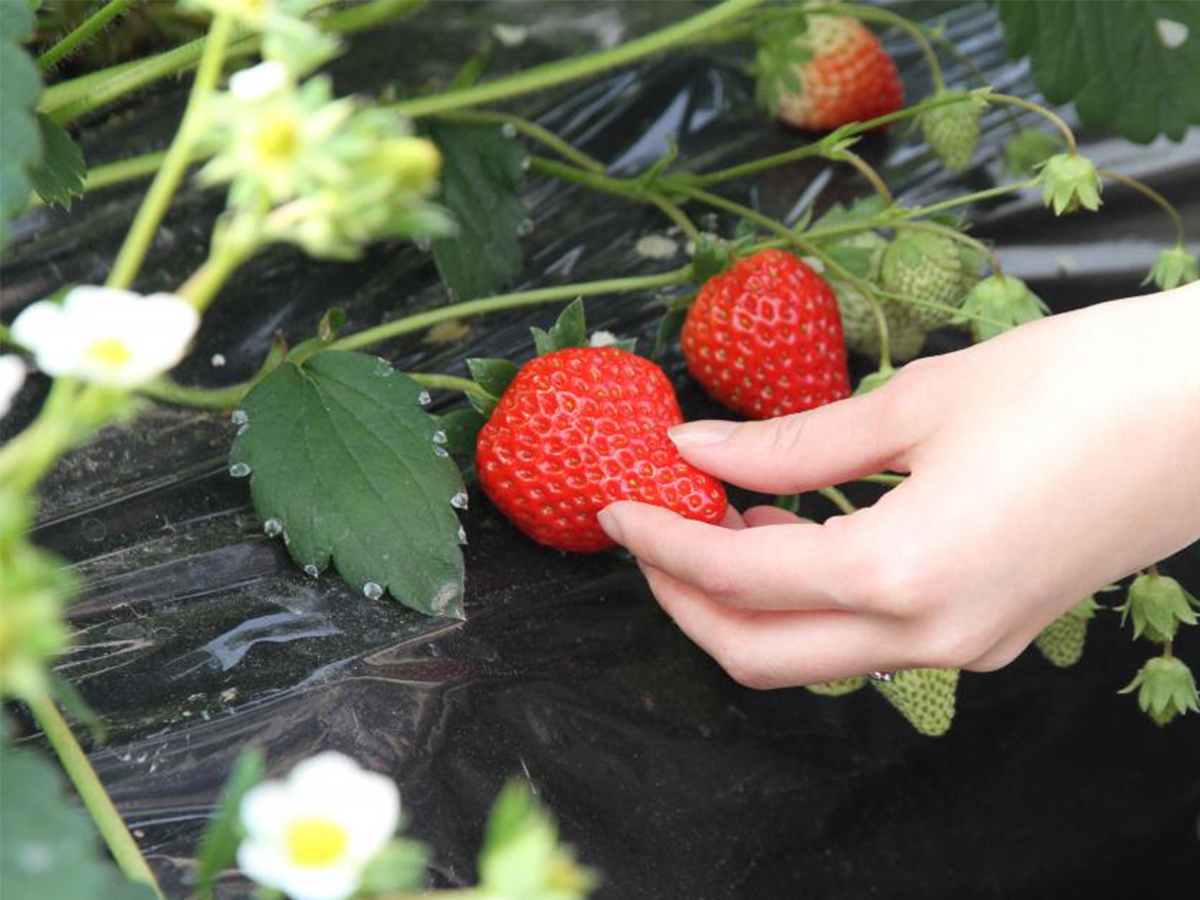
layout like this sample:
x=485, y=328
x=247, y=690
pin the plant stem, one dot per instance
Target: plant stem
x=421, y=321
x=448, y=383
x=675, y=214
x=1145, y=190
x=154, y=205
x=868, y=172
x=204, y=283
x=1062, y=126
x=964, y=199
x=68, y=100
x=565, y=70
x=817, y=148
x=883, y=478
x=838, y=499
x=533, y=131
x=168, y=391
x=124, y=848
x=887, y=17
x=84, y=32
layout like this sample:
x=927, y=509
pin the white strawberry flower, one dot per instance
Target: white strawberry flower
x=12, y=376
x=312, y=834
x=106, y=336
x=258, y=82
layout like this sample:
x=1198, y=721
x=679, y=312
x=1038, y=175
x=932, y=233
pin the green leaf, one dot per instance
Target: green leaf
x=399, y=866
x=461, y=428
x=521, y=856
x=20, y=88
x=1120, y=62
x=481, y=180
x=60, y=175
x=218, y=847
x=48, y=848
x=344, y=466
x=331, y=324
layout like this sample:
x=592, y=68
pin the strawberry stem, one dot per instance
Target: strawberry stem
x=867, y=171
x=1145, y=190
x=1059, y=123
x=838, y=499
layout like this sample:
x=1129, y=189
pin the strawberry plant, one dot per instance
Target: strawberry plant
x=342, y=454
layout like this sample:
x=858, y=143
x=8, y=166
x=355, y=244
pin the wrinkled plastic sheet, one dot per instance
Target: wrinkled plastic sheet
x=198, y=638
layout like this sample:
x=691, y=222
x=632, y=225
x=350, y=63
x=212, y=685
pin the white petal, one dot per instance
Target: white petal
x=327, y=883
x=43, y=328
x=264, y=811
x=258, y=81
x=365, y=803
x=12, y=376
x=264, y=862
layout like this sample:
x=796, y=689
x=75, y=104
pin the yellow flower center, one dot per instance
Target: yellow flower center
x=315, y=842
x=276, y=138
x=110, y=352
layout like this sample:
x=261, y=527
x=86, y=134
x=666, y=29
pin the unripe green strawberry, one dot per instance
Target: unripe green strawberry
x=1166, y=688
x=1158, y=604
x=861, y=328
x=838, y=686
x=927, y=267
x=1062, y=640
x=923, y=696
x=1070, y=181
x=952, y=131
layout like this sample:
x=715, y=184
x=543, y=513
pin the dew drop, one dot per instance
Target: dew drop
x=526, y=227
x=372, y=590
x=424, y=244
x=526, y=163
x=239, y=417
x=439, y=437
x=440, y=451
x=383, y=367
x=423, y=398
x=311, y=571
x=459, y=500
x=509, y=130
x=287, y=539
x=242, y=429
x=273, y=527
x=239, y=470
x=462, y=535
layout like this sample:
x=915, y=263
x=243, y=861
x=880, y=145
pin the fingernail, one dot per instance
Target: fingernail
x=697, y=434
x=608, y=521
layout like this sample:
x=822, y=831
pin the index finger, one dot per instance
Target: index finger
x=794, y=566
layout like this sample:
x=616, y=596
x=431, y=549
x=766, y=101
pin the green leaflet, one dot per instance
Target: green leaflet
x=218, y=846
x=20, y=88
x=47, y=845
x=344, y=465
x=1127, y=64
x=481, y=180
x=59, y=177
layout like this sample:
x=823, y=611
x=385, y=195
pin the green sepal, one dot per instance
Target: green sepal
x=1005, y=299
x=711, y=257
x=1173, y=267
x=59, y=176
x=874, y=380
x=399, y=867
x=461, y=428
x=570, y=330
x=493, y=374
x=1069, y=181
x=331, y=324
x=1166, y=688
x=1157, y=604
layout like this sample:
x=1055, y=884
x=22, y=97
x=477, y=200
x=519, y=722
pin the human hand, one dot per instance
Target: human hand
x=1044, y=463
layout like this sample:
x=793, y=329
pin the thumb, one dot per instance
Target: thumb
x=807, y=450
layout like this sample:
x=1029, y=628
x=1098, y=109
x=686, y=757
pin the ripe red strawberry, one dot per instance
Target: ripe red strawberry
x=765, y=337
x=578, y=429
x=849, y=77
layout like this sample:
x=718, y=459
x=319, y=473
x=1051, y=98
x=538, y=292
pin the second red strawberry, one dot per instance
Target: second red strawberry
x=764, y=338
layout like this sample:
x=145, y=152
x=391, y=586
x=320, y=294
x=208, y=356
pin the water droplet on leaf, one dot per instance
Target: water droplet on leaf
x=423, y=398
x=462, y=535
x=372, y=590
x=273, y=527
x=383, y=367
x=509, y=130
x=440, y=451
x=439, y=437
x=311, y=571
x=239, y=417
x=459, y=500
x=239, y=470
x=526, y=227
